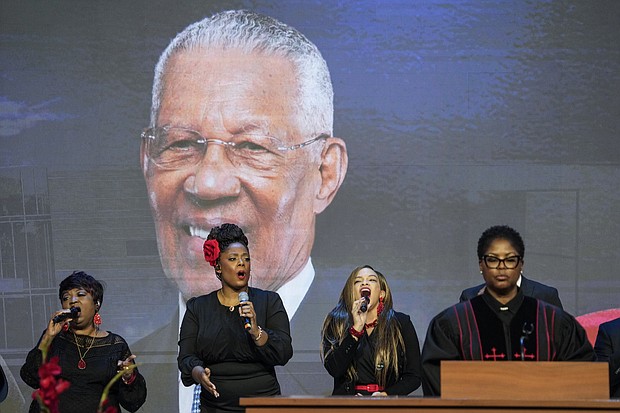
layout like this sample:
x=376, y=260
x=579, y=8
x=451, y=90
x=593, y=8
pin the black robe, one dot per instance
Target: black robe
x=484, y=329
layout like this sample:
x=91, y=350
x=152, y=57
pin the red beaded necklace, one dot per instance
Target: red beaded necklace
x=373, y=324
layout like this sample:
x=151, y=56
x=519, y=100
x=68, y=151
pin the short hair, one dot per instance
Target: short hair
x=79, y=279
x=227, y=234
x=500, y=232
x=254, y=32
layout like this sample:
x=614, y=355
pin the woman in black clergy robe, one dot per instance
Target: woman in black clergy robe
x=501, y=324
x=230, y=347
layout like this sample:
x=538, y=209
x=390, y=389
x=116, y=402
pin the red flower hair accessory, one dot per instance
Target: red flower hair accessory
x=211, y=250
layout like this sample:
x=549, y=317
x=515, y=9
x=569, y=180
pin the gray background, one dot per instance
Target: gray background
x=458, y=115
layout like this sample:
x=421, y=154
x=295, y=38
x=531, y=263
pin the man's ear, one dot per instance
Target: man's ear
x=333, y=168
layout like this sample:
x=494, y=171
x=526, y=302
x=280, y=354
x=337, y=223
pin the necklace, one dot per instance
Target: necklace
x=220, y=296
x=82, y=364
x=373, y=324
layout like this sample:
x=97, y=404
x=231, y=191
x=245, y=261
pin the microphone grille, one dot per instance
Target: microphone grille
x=243, y=297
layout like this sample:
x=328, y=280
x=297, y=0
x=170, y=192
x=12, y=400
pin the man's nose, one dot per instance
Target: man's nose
x=214, y=177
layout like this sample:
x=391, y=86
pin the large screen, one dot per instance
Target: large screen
x=456, y=116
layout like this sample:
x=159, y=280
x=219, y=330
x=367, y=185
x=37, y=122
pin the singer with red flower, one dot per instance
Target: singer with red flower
x=75, y=360
x=231, y=339
x=368, y=348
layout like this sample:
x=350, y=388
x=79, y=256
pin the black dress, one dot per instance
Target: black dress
x=87, y=384
x=213, y=336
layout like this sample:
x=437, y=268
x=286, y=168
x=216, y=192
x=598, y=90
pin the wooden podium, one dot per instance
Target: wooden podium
x=517, y=380
x=473, y=387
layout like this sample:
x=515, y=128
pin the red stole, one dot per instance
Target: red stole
x=482, y=335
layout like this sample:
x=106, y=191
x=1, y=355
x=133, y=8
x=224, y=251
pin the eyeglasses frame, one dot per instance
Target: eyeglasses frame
x=501, y=261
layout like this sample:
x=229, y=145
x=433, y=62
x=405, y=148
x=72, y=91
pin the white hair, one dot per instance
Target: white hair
x=253, y=32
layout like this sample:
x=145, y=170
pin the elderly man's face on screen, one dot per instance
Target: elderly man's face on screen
x=223, y=151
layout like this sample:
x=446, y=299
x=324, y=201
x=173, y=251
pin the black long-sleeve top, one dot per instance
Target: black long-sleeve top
x=87, y=384
x=213, y=336
x=362, y=354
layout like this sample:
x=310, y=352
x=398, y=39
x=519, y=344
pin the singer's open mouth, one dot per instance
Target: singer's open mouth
x=365, y=290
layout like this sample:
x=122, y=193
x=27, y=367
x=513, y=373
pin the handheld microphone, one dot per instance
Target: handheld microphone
x=72, y=313
x=366, y=297
x=243, y=297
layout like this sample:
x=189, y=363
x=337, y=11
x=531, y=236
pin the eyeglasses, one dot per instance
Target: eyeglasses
x=172, y=147
x=494, y=262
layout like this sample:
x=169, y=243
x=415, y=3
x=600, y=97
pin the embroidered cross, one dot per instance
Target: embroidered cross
x=494, y=356
x=530, y=356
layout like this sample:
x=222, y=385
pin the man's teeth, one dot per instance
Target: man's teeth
x=198, y=232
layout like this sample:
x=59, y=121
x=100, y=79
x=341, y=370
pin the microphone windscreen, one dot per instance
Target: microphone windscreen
x=243, y=297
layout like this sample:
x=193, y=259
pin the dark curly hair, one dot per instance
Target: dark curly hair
x=79, y=279
x=227, y=234
x=500, y=232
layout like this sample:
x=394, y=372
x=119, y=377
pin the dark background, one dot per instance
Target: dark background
x=458, y=115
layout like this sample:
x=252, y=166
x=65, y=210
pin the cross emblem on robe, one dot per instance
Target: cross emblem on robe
x=530, y=356
x=494, y=355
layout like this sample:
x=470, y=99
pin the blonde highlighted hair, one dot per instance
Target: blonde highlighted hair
x=390, y=346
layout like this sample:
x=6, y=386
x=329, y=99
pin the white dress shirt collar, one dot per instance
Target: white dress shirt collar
x=294, y=291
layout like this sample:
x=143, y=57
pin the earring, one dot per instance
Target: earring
x=97, y=319
x=480, y=271
x=380, y=306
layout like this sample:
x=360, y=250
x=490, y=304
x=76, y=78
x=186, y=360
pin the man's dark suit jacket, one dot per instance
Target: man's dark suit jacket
x=529, y=287
x=607, y=348
x=157, y=357
x=304, y=374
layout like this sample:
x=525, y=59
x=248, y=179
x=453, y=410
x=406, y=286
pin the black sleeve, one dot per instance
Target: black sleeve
x=338, y=359
x=187, y=358
x=411, y=377
x=606, y=352
x=573, y=344
x=30, y=370
x=279, y=348
x=132, y=396
x=439, y=345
